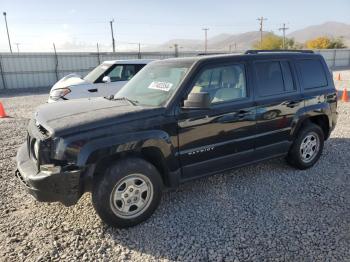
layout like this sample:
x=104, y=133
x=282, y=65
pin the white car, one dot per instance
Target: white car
x=105, y=80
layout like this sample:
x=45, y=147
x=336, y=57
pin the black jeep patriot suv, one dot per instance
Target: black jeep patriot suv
x=176, y=120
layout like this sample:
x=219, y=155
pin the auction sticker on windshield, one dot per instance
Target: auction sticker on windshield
x=163, y=86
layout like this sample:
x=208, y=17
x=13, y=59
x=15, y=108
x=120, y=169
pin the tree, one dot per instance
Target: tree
x=322, y=42
x=271, y=42
x=337, y=43
x=325, y=42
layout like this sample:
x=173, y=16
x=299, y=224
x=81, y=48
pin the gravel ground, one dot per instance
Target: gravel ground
x=267, y=211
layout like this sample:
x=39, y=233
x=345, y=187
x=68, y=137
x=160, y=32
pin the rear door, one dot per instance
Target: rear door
x=120, y=76
x=278, y=100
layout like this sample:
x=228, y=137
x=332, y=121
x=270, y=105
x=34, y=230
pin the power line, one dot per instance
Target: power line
x=261, y=23
x=284, y=28
x=113, y=41
x=205, y=39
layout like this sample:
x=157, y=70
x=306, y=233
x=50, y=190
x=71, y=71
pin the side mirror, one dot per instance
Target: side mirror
x=199, y=100
x=106, y=79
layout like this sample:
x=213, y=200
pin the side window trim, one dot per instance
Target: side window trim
x=289, y=64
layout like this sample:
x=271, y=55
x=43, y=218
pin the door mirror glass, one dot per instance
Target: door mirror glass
x=106, y=79
x=200, y=100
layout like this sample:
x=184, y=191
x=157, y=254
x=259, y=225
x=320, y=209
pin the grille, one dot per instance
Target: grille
x=42, y=130
x=37, y=130
x=19, y=176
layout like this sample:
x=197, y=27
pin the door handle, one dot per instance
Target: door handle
x=292, y=104
x=93, y=90
x=242, y=113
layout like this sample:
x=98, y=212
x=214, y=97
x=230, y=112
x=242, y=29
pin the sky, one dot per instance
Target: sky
x=79, y=25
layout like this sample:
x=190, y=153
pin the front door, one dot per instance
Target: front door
x=119, y=75
x=219, y=138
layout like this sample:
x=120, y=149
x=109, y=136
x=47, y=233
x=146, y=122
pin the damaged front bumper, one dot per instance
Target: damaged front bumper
x=48, y=186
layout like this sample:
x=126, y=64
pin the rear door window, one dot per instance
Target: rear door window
x=273, y=78
x=312, y=73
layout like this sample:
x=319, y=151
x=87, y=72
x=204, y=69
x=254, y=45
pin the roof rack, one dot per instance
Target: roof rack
x=216, y=53
x=278, y=51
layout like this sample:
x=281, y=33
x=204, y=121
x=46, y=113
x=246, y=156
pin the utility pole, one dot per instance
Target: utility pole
x=139, y=53
x=17, y=44
x=176, y=49
x=98, y=53
x=113, y=41
x=261, y=23
x=56, y=61
x=230, y=47
x=205, y=39
x=139, y=49
x=284, y=28
x=8, y=34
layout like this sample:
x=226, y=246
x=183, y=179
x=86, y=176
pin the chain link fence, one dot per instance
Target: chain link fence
x=42, y=70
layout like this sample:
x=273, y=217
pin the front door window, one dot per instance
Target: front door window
x=223, y=83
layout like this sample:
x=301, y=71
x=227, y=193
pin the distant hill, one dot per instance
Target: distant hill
x=245, y=41
x=239, y=41
x=330, y=29
x=220, y=42
x=185, y=44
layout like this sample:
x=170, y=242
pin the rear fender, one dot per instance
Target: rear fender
x=307, y=112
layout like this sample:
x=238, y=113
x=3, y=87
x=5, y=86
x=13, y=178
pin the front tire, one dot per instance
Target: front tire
x=127, y=193
x=307, y=147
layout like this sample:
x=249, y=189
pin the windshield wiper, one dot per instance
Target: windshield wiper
x=133, y=102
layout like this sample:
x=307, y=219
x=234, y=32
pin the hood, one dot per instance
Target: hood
x=80, y=115
x=69, y=80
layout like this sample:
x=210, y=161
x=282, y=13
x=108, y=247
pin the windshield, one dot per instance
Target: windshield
x=155, y=83
x=97, y=72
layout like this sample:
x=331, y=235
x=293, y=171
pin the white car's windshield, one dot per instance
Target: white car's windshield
x=97, y=72
x=155, y=83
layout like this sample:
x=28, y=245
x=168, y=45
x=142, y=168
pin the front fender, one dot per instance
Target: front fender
x=99, y=148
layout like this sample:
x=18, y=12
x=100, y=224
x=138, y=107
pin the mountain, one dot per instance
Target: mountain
x=184, y=44
x=330, y=29
x=222, y=42
x=238, y=41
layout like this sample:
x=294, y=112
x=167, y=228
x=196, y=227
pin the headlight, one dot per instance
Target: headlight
x=57, y=148
x=59, y=93
x=36, y=149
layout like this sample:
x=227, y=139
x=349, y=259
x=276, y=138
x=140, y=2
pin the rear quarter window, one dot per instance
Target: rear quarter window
x=312, y=73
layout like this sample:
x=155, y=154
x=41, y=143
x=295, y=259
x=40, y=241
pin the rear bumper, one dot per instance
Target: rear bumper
x=48, y=186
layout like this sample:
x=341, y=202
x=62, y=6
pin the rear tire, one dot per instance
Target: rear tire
x=307, y=147
x=127, y=193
